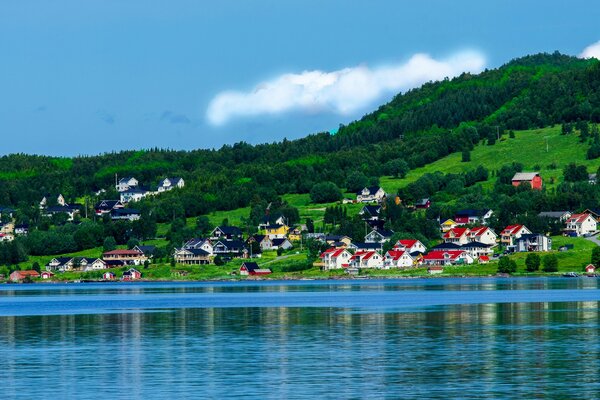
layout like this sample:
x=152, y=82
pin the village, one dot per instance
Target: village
x=465, y=239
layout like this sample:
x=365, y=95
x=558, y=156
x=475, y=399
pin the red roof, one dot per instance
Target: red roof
x=578, y=218
x=455, y=232
x=29, y=272
x=439, y=254
x=408, y=243
x=369, y=254
x=478, y=230
x=331, y=249
x=512, y=229
x=484, y=258
x=395, y=254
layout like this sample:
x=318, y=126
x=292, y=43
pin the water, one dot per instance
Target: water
x=436, y=338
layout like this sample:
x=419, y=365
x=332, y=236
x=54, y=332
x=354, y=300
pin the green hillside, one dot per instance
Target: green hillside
x=544, y=150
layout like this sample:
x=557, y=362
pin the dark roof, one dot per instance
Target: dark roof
x=106, y=204
x=372, y=210
x=257, y=238
x=446, y=246
x=22, y=226
x=384, y=232
x=273, y=226
x=57, y=209
x=125, y=211
x=62, y=260
x=530, y=236
x=233, y=243
x=198, y=252
x=123, y=180
x=278, y=241
x=137, y=189
x=422, y=202
x=552, y=214
x=471, y=213
x=229, y=230
x=6, y=210
x=366, y=245
x=475, y=244
x=146, y=249
x=194, y=242
x=114, y=263
x=250, y=266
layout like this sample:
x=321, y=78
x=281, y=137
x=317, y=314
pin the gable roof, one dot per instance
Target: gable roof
x=553, y=214
x=440, y=255
x=408, y=243
x=371, y=189
x=372, y=210
x=578, y=218
x=512, y=229
x=250, y=266
x=106, y=204
x=229, y=230
x=479, y=230
x=279, y=241
x=446, y=246
x=126, y=179
x=455, y=232
x=396, y=254
x=525, y=176
x=471, y=213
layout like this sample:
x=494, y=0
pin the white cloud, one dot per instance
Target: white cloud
x=592, y=51
x=343, y=92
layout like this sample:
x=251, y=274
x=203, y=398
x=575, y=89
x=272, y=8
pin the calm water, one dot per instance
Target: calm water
x=436, y=338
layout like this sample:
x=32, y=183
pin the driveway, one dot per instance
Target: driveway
x=594, y=239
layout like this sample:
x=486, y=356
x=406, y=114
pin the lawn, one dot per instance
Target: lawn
x=528, y=148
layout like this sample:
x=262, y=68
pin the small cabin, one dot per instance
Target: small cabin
x=131, y=275
x=435, y=269
x=590, y=269
x=47, y=275
x=251, y=268
x=108, y=276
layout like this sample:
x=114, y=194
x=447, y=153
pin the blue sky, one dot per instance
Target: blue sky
x=87, y=77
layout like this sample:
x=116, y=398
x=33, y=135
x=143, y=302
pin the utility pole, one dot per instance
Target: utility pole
x=547, y=147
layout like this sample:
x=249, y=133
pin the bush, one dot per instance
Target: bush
x=219, y=260
x=297, y=267
x=532, y=262
x=506, y=265
x=325, y=192
x=466, y=156
x=550, y=263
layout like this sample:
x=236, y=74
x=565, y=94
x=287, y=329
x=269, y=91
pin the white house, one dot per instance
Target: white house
x=133, y=194
x=378, y=236
x=483, y=234
x=366, y=259
x=169, y=184
x=125, y=184
x=200, y=244
x=397, y=259
x=581, y=224
x=335, y=258
x=457, y=236
x=512, y=232
x=60, y=200
x=448, y=257
x=533, y=242
x=370, y=194
x=410, y=245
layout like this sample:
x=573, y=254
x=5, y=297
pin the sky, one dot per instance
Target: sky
x=89, y=77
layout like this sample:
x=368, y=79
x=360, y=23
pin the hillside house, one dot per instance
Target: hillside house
x=370, y=212
x=134, y=194
x=470, y=216
x=226, y=233
x=128, y=214
x=234, y=248
x=295, y=234
x=449, y=257
x=512, y=232
x=21, y=229
x=199, y=243
x=281, y=243
x=358, y=246
x=335, y=258
x=533, y=242
x=252, y=269
x=124, y=184
x=533, y=179
x=277, y=231
x=106, y=206
x=52, y=200
x=191, y=256
x=64, y=264
x=580, y=225
x=45, y=275
x=447, y=225
x=457, y=235
x=6, y=237
x=423, y=204
x=592, y=179
x=477, y=249
x=562, y=216
x=6, y=212
x=379, y=236
x=108, y=276
x=483, y=234
x=398, y=259
x=71, y=210
x=370, y=194
x=590, y=269
x=412, y=246
x=128, y=257
x=170, y=184
x=263, y=241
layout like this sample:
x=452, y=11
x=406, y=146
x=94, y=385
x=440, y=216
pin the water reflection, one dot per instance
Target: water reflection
x=473, y=350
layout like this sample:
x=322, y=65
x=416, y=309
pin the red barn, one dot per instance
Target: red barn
x=532, y=178
x=251, y=268
x=131, y=275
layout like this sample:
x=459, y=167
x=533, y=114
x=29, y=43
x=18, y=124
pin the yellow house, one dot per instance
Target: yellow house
x=7, y=228
x=447, y=225
x=277, y=231
x=295, y=235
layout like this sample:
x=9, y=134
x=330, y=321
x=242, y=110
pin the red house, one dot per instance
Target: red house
x=108, y=276
x=47, y=275
x=131, y=275
x=251, y=268
x=590, y=269
x=20, y=275
x=532, y=178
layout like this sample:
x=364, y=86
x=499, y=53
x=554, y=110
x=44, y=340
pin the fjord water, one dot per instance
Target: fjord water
x=425, y=338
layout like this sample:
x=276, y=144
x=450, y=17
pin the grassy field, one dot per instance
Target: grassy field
x=528, y=148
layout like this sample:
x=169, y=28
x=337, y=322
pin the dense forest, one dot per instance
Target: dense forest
x=412, y=130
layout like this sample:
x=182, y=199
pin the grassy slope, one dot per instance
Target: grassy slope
x=528, y=147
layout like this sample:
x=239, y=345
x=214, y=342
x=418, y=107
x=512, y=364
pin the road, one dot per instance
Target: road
x=594, y=239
